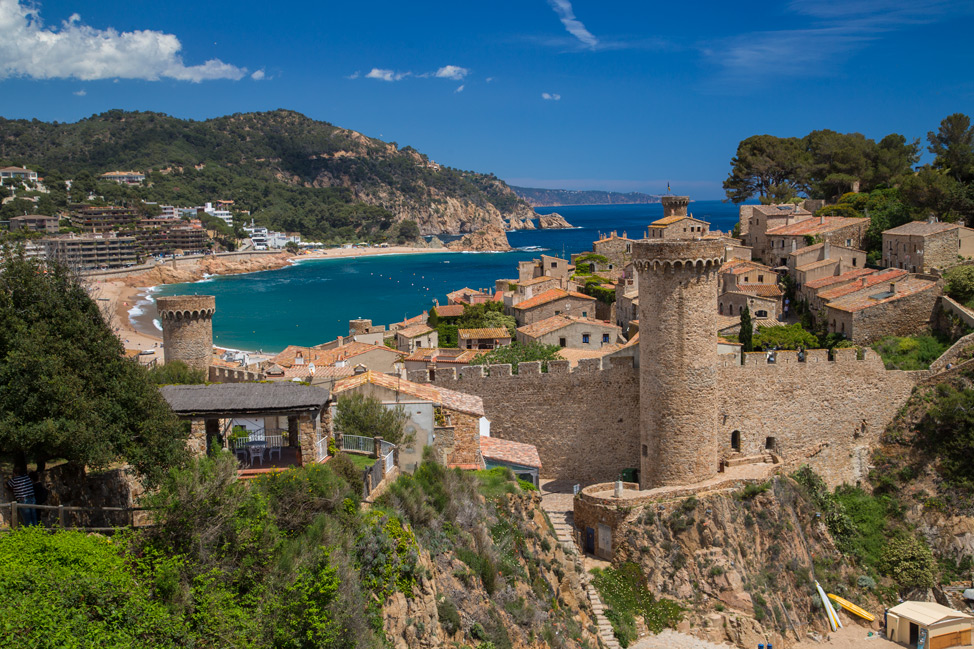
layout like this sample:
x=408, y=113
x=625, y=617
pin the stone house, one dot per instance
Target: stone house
x=756, y=220
x=288, y=416
x=429, y=358
x=412, y=338
x=839, y=230
x=764, y=301
x=521, y=458
x=449, y=312
x=548, y=266
x=740, y=271
x=310, y=363
x=823, y=260
x=678, y=226
x=489, y=338
x=618, y=250
x=528, y=288
x=921, y=246
x=468, y=296
x=449, y=421
x=570, y=331
x=818, y=298
x=554, y=302
x=898, y=308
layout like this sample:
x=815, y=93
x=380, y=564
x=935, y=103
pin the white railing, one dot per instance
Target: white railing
x=358, y=443
x=274, y=440
x=322, y=447
x=386, y=447
x=390, y=459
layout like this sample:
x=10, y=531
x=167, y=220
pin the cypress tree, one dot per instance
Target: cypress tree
x=747, y=330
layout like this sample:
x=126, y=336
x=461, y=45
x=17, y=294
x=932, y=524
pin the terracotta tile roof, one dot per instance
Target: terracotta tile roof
x=836, y=279
x=765, y=290
x=781, y=210
x=922, y=228
x=575, y=355
x=888, y=275
x=449, y=399
x=493, y=332
x=818, y=246
x=816, y=264
x=503, y=450
x=556, y=322
x=321, y=357
x=445, y=355
x=12, y=169
x=881, y=295
x=740, y=266
x=449, y=310
x=537, y=280
x=416, y=319
x=414, y=331
x=549, y=296
x=459, y=294
x=817, y=226
x=670, y=220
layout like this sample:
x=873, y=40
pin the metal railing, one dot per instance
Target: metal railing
x=322, y=449
x=358, y=443
x=63, y=511
x=390, y=460
x=271, y=440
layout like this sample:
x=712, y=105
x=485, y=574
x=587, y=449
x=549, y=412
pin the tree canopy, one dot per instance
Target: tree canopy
x=365, y=416
x=516, y=353
x=66, y=389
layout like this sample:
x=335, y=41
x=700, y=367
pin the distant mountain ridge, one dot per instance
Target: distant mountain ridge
x=292, y=172
x=538, y=197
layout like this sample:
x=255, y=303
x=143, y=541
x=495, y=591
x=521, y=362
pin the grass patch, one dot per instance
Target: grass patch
x=910, y=352
x=361, y=462
x=626, y=596
x=497, y=482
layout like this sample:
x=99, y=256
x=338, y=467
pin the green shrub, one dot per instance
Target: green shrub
x=447, y=613
x=909, y=562
x=910, y=352
x=624, y=590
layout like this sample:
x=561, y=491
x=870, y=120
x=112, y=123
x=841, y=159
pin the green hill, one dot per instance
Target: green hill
x=291, y=172
x=538, y=197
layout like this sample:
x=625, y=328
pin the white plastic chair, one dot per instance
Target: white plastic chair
x=256, y=452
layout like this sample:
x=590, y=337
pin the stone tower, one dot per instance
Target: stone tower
x=675, y=205
x=187, y=328
x=678, y=360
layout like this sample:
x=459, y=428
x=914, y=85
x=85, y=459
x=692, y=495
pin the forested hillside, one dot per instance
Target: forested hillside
x=538, y=197
x=291, y=172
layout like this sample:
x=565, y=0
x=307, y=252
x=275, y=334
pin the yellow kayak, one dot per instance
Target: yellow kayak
x=852, y=608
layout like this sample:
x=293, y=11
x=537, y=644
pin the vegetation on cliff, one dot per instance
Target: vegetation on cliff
x=291, y=172
x=537, y=197
x=293, y=560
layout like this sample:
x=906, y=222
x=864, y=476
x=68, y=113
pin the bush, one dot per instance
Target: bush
x=959, y=283
x=343, y=467
x=910, y=352
x=446, y=611
x=366, y=416
x=909, y=562
x=624, y=591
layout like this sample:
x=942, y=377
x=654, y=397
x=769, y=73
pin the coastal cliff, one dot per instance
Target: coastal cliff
x=491, y=238
x=196, y=269
x=553, y=221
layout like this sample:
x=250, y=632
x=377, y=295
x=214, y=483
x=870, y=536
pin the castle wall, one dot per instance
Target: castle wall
x=585, y=422
x=824, y=413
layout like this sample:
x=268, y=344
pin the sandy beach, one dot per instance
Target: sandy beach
x=118, y=295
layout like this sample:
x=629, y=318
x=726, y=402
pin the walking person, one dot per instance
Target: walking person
x=23, y=488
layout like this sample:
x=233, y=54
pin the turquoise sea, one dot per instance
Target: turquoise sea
x=312, y=301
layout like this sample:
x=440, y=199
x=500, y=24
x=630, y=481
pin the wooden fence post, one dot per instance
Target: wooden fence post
x=13, y=514
x=60, y=516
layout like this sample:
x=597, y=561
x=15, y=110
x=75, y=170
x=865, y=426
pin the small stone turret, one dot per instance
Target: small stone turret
x=359, y=327
x=187, y=328
x=678, y=360
x=675, y=205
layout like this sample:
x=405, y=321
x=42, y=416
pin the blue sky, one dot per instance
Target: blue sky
x=551, y=93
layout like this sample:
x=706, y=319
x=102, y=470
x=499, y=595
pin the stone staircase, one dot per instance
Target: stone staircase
x=559, y=510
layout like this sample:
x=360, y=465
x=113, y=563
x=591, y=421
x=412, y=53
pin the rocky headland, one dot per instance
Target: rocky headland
x=553, y=221
x=490, y=239
x=193, y=270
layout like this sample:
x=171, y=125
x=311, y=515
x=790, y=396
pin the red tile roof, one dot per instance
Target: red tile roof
x=888, y=275
x=414, y=331
x=504, y=450
x=881, y=295
x=493, y=332
x=836, y=279
x=817, y=226
x=449, y=310
x=766, y=290
x=331, y=356
x=550, y=296
x=923, y=228
x=449, y=399
x=560, y=321
x=445, y=355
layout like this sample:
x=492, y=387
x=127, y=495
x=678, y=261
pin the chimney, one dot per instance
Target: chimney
x=794, y=245
x=341, y=341
x=826, y=249
x=892, y=288
x=821, y=220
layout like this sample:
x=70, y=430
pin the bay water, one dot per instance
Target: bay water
x=312, y=301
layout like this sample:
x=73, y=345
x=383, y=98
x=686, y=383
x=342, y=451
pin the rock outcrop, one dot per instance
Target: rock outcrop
x=520, y=223
x=196, y=269
x=489, y=239
x=553, y=221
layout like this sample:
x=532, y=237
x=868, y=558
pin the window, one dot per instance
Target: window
x=561, y=342
x=554, y=264
x=848, y=243
x=628, y=247
x=855, y=262
x=584, y=314
x=736, y=441
x=730, y=309
x=769, y=443
x=760, y=279
x=557, y=312
x=585, y=338
x=605, y=338
x=419, y=343
x=760, y=313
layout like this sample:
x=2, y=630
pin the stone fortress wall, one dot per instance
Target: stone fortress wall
x=585, y=421
x=187, y=328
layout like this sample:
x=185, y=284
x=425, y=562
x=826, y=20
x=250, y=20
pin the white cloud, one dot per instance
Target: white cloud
x=490, y=79
x=572, y=24
x=258, y=75
x=454, y=72
x=386, y=75
x=460, y=89
x=81, y=93
x=354, y=75
x=551, y=96
x=75, y=50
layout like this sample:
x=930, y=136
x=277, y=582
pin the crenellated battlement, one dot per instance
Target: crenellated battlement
x=528, y=370
x=813, y=357
x=675, y=256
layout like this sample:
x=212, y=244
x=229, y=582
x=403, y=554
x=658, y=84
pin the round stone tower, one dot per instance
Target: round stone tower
x=187, y=328
x=675, y=205
x=677, y=360
x=359, y=326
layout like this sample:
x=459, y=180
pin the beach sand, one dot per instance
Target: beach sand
x=115, y=299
